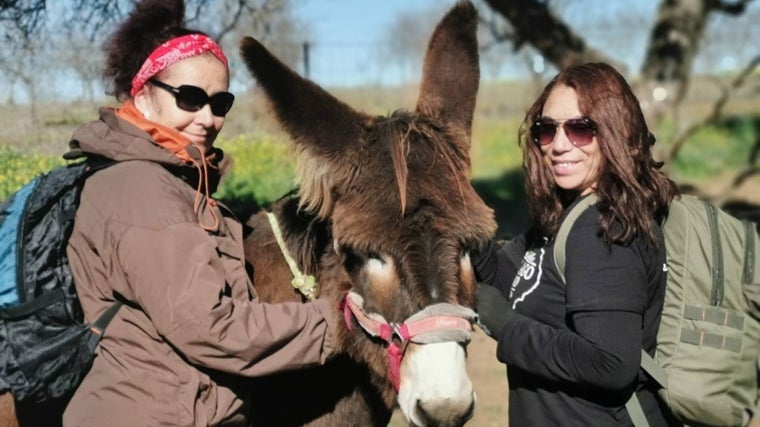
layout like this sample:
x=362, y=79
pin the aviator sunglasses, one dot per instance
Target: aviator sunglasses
x=193, y=98
x=579, y=131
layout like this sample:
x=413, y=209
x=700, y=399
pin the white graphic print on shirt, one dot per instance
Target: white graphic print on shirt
x=529, y=270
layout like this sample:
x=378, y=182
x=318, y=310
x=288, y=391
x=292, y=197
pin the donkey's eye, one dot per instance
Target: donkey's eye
x=465, y=251
x=352, y=261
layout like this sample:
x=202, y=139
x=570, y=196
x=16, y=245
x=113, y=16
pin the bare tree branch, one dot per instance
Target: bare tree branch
x=729, y=7
x=498, y=34
x=241, y=7
x=263, y=9
x=717, y=110
x=674, y=42
x=95, y=15
x=676, y=36
x=21, y=17
x=534, y=23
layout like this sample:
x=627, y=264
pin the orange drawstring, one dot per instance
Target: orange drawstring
x=203, y=183
x=172, y=140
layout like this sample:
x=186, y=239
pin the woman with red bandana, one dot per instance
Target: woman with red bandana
x=149, y=235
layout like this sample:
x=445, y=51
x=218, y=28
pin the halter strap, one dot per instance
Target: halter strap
x=437, y=323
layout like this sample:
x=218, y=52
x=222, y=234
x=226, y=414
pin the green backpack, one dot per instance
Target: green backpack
x=708, y=345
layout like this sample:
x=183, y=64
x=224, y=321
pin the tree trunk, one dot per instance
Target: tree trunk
x=674, y=42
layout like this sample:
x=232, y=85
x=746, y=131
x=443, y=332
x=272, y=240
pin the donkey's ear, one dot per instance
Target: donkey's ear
x=313, y=118
x=451, y=72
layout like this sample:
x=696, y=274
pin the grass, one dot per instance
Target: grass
x=17, y=168
x=264, y=168
x=728, y=145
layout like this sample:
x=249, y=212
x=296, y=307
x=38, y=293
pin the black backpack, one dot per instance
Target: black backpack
x=46, y=348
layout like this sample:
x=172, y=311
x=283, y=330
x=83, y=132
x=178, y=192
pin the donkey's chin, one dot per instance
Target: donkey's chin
x=435, y=389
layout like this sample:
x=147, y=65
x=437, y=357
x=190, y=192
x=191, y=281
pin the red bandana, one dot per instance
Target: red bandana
x=173, y=51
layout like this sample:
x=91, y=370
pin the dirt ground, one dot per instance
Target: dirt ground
x=489, y=378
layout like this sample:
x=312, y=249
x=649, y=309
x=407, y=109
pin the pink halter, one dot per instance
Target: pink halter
x=442, y=322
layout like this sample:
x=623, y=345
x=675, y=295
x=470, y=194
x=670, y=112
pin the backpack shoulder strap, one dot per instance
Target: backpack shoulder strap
x=649, y=365
x=560, y=240
x=96, y=162
x=98, y=327
x=636, y=412
x=749, y=253
x=653, y=369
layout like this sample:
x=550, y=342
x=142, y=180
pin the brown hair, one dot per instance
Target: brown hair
x=151, y=23
x=630, y=181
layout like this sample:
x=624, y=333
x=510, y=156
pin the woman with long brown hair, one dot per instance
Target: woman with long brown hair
x=572, y=345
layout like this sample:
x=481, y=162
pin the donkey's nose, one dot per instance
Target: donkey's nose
x=446, y=412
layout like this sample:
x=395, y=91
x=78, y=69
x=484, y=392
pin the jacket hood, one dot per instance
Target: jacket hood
x=117, y=139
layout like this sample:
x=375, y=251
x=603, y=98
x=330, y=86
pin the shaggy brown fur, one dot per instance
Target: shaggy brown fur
x=394, y=189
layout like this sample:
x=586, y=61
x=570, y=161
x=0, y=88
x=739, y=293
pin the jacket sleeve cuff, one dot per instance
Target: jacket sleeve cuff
x=333, y=318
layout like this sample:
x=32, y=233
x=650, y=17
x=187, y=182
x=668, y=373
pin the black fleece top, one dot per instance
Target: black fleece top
x=573, y=350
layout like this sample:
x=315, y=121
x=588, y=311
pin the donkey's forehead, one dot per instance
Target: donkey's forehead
x=427, y=149
x=427, y=182
x=372, y=218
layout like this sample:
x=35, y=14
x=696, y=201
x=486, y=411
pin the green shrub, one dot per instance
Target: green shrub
x=263, y=167
x=263, y=170
x=494, y=148
x=715, y=149
x=16, y=169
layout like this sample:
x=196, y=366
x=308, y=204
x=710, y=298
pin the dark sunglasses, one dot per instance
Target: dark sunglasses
x=193, y=98
x=579, y=131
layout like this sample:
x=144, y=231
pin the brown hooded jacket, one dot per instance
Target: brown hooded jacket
x=191, y=329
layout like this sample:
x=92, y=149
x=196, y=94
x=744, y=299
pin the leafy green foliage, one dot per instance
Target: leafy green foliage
x=263, y=170
x=717, y=149
x=17, y=168
x=494, y=148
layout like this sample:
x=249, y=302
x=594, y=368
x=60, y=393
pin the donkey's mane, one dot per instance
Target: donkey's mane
x=315, y=179
x=401, y=128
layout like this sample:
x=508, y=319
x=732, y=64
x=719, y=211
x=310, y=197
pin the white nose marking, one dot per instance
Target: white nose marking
x=433, y=377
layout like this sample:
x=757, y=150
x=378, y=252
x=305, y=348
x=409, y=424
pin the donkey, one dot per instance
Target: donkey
x=384, y=219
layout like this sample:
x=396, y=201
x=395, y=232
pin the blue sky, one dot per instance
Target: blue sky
x=337, y=21
x=358, y=25
x=348, y=33
x=349, y=27
x=348, y=36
